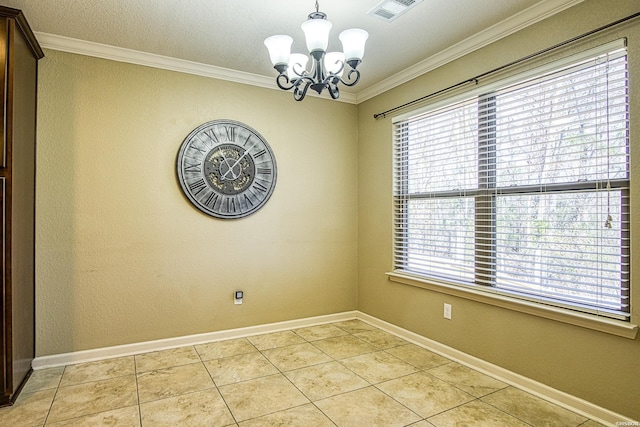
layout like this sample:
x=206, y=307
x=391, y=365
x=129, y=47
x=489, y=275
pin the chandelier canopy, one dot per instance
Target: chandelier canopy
x=327, y=68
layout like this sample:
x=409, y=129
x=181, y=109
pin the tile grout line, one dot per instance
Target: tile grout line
x=291, y=382
x=311, y=401
x=135, y=371
x=502, y=410
x=369, y=384
x=216, y=387
x=374, y=385
x=46, y=418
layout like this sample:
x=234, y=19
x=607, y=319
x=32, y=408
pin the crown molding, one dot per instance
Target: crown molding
x=119, y=54
x=527, y=17
x=517, y=22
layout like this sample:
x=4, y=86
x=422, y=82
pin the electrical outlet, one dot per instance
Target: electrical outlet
x=447, y=311
x=237, y=297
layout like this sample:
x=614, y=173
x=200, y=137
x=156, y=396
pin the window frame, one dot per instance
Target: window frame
x=485, y=201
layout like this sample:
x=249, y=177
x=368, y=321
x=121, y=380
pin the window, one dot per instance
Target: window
x=522, y=188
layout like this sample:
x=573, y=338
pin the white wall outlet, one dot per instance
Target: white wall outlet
x=447, y=311
x=237, y=297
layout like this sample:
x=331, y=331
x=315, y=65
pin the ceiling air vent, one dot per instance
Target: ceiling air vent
x=390, y=10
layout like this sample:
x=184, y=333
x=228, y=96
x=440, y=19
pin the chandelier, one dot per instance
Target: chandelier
x=327, y=68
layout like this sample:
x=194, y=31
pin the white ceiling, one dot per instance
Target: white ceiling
x=230, y=33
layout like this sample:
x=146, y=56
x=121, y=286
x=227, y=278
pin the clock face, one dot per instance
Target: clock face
x=226, y=169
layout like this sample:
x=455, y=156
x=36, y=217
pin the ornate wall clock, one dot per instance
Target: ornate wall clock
x=226, y=169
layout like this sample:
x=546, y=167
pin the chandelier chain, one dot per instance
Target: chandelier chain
x=317, y=6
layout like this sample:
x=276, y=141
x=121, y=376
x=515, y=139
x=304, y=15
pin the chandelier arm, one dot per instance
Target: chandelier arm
x=333, y=89
x=331, y=79
x=348, y=82
x=295, y=68
x=338, y=71
x=288, y=84
x=306, y=79
x=299, y=94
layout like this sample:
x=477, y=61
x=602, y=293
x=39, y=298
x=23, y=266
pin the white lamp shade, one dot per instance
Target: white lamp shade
x=353, y=41
x=279, y=49
x=297, y=64
x=316, y=31
x=334, y=62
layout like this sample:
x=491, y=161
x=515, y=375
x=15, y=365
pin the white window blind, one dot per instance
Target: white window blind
x=523, y=189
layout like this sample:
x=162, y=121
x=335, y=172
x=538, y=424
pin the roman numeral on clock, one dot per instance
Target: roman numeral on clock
x=230, y=133
x=259, y=153
x=211, y=200
x=192, y=167
x=259, y=187
x=202, y=151
x=212, y=135
x=231, y=204
x=197, y=186
x=264, y=171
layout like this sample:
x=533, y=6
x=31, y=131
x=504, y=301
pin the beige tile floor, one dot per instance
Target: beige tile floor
x=341, y=374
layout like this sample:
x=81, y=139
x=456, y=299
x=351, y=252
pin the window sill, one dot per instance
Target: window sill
x=602, y=324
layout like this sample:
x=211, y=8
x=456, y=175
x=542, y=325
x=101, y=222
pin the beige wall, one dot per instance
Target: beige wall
x=123, y=257
x=595, y=366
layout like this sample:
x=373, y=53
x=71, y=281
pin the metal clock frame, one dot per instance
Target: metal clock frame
x=226, y=169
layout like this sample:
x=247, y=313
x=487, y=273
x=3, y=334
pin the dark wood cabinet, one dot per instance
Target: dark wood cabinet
x=19, y=55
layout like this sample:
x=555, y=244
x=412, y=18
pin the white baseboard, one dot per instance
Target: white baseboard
x=550, y=394
x=567, y=401
x=84, y=356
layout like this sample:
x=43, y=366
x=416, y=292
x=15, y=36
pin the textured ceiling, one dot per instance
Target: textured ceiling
x=230, y=33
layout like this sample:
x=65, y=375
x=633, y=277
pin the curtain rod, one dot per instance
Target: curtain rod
x=510, y=64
